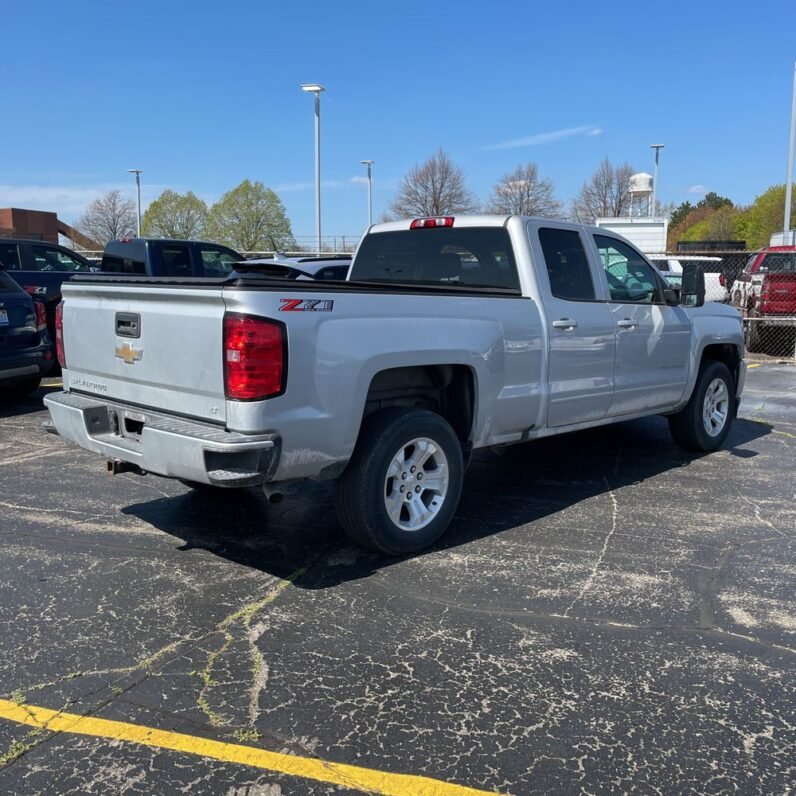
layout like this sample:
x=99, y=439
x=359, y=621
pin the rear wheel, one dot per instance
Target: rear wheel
x=704, y=422
x=401, y=488
x=753, y=335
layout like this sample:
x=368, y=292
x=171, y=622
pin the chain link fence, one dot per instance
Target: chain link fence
x=767, y=300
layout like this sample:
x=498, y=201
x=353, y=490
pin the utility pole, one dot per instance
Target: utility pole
x=657, y=148
x=369, y=164
x=791, y=147
x=138, y=173
x=316, y=89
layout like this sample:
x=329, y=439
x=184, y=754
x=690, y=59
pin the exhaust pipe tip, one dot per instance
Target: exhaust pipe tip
x=272, y=496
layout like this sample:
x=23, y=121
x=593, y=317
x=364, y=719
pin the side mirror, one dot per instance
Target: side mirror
x=692, y=291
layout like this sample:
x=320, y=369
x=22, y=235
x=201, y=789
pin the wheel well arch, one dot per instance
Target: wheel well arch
x=726, y=353
x=448, y=390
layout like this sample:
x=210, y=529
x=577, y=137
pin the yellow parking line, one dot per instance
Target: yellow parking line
x=53, y=384
x=364, y=779
x=753, y=365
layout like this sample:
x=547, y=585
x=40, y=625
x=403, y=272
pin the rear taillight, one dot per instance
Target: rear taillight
x=41, y=316
x=722, y=280
x=255, y=358
x=59, y=334
x=430, y=223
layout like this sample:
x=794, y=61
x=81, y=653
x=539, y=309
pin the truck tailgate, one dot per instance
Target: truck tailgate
x=154, y=346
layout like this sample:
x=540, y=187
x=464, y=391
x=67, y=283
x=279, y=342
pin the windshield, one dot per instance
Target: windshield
x=474, y=256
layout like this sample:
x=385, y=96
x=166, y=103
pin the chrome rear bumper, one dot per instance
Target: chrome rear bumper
x=164, y=444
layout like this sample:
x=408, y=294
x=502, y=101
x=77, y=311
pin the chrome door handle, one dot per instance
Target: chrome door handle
x=565, y=324
x=626, y=324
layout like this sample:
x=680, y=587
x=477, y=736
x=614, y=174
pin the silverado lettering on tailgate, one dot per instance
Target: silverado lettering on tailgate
x=306, y=305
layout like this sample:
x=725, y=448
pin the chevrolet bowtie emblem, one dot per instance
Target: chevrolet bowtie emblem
x=129, y=354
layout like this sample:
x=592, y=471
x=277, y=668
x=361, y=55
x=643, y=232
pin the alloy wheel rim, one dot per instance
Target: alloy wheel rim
x=716, y=407
x=416, y=484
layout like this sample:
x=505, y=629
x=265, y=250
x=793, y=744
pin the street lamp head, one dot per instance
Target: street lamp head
x=312, y=88
x=367, y=162
x=656, y=146
x=135, y=171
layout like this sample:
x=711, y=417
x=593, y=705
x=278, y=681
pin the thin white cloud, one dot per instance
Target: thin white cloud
x=697, y=189
x=547, y=138
x=69, y=201
x=292, y=187
x=359, y=179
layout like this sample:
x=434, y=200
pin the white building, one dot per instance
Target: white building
x=647, y=234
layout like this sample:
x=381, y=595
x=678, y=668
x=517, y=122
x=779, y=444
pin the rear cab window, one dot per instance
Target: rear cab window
x=124, y=258
x=465, y=256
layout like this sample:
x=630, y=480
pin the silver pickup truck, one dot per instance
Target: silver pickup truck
x=450, y=334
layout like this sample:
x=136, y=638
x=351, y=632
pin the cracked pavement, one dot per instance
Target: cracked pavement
x=607, y=614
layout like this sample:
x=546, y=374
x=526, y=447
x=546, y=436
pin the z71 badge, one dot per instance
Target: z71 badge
x=306, y=305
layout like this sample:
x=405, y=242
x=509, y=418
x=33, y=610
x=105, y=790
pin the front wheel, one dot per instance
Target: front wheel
x=401, y=488
x=704, y=422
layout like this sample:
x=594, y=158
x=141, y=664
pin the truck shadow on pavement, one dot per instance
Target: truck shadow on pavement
x=504, y=488
x=30, y=404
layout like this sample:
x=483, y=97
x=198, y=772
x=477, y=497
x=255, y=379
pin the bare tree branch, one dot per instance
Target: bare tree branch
x=108, y=217
x=523, y=193
x=433, y=188
x=605, y=194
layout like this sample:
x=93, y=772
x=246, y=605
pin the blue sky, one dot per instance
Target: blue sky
x=202, y=95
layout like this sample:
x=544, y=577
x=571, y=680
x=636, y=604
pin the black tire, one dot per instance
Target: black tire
x=687, y=426
x=360, y=490
x=25, y=387
x=754, y=336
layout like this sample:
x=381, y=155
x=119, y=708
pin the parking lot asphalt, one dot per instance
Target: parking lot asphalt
x=607, y=614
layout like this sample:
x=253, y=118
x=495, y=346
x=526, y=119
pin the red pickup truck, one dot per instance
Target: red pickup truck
x=766, y=292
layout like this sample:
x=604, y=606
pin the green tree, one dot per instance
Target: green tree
x=712, y=200
x=176, y=215
x=765, y=216
x=251, y=217
x=679, y=214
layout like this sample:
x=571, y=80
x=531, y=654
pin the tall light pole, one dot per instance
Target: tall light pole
x=791, y=147
x=369, y=164
x=138, y=173
x=657, y=148
x=316, y=89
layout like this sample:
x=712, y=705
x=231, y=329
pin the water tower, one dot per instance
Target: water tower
x=641, y=195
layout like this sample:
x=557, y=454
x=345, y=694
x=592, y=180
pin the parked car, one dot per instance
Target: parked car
x=330, y=268
x=41, y=268
x=450, y=334
x=766, y=292
x=165, y=257
x=716, y=287
x=26, y=351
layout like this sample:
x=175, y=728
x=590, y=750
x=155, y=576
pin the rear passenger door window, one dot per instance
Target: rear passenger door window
x=176, y=260
x=217, y=262
x=567, y=265
x=631, y=279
